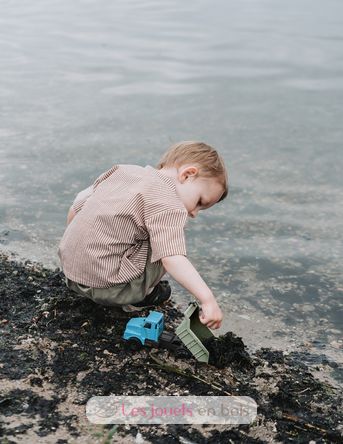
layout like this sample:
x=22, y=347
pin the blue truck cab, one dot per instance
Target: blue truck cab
x=146, y=329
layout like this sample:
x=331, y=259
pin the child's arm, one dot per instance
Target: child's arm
x=71, y=215
x=181, y=269
x=78, y=203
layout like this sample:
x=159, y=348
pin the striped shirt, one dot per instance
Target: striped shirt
x=129, y=212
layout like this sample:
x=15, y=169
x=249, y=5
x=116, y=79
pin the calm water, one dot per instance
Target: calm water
x=86, y=84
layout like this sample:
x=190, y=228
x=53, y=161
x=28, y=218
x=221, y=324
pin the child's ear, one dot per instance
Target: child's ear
x=188, y=172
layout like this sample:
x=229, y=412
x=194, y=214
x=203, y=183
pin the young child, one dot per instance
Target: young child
x=127, y=229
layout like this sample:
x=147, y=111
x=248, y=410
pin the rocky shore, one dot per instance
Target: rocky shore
x=57, y=351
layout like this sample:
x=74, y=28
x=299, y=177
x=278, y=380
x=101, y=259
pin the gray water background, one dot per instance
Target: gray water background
x=86, y=84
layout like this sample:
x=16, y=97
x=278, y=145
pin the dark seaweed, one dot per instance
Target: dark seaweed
x=227, y=350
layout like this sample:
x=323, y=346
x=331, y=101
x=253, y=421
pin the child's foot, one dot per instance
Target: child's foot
x=159, y=295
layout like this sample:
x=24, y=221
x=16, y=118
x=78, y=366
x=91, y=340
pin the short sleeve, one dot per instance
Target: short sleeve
x=166, y=234
x=105, y=175
x=83, y=195
x=81, y=198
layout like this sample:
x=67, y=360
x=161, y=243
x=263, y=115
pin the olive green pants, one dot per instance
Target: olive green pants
x=122, y=294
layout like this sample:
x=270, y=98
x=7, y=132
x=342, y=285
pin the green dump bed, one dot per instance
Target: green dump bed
x=192, y=332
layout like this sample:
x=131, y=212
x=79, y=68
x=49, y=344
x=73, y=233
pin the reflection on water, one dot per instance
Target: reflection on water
x=86, y=84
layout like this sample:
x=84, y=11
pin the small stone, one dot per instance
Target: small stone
x=336, y=344
x=81, y=399
x=139, y=438
x=334, y=331
x=278, y=414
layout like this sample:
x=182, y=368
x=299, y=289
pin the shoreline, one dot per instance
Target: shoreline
x=57, y=352
x=253, y=325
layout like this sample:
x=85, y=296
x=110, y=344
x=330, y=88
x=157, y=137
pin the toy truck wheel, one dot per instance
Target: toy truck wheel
x=134, y=344
x=183, y=353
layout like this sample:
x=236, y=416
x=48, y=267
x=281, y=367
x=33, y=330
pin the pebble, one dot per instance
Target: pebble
x=278, y=414
x=336, y=344
x=243, y=316
x=139, y=438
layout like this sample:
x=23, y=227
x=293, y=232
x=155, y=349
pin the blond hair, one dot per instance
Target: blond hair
x=209, y=162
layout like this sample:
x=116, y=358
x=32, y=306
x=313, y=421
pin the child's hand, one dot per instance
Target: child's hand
x=211, y=315
x=180, y=268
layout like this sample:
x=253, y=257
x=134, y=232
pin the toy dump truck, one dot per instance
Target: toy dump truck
x=149, y=331
x=188, y=339
x=192, y=333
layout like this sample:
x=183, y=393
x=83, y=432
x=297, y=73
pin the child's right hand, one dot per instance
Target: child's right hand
x=211, y=315
x=180, y=268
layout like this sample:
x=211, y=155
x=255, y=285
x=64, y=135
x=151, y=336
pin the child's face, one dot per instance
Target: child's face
x=197, y=193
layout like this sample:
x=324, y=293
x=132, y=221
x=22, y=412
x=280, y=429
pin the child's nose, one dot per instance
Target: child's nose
x=193, y=213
